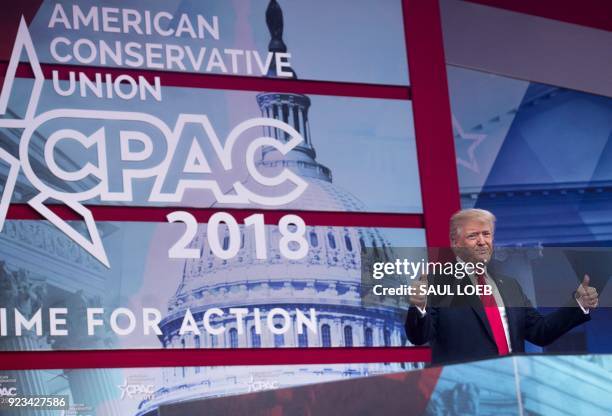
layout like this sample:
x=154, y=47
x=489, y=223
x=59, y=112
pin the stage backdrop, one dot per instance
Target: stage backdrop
x=150, y=199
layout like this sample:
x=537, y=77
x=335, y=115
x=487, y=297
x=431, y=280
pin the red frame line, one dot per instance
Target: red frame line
x=207, y=357
x=158, y=214
x=590, y=13
x=439, y=185
x=432, y=118
x=228, y=82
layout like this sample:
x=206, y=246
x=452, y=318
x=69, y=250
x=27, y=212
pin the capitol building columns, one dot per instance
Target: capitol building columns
x=336, y=332
x=90, y=387
x=25, y=381
x=19, y=291
x=243, y=339
x=267, y=338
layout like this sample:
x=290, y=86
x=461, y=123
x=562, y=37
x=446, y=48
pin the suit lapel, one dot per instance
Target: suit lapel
x=476, y=305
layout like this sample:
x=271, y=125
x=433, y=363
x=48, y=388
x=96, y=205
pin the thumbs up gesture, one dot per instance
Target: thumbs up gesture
x=420, y=286
x=586, y=295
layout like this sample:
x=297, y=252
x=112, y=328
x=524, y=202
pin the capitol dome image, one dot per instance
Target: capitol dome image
x=326, y=280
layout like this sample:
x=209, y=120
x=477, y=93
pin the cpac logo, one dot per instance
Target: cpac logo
x=115, y=164
x=130, y=391
x=260, y=385
x=10, y=391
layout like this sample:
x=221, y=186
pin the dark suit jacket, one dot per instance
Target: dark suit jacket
x=457, y=327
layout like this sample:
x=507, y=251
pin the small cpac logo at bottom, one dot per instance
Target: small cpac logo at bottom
x=136, y=390
x=8, y=391
x=261, y=385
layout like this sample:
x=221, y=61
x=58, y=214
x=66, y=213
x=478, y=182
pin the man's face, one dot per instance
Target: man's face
x=475, y=241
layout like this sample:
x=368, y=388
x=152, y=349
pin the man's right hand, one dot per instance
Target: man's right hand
x=586, y=295
x=420, y=286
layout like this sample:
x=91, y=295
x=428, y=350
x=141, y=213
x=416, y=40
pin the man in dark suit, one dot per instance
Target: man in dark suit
x=469, y=327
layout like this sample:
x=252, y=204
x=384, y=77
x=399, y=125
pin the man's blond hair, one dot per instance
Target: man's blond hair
x=459, y=218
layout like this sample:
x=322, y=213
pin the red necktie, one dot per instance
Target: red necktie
x=494, y=317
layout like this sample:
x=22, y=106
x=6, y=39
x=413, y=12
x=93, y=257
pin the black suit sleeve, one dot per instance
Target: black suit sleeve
x=421, y=329
x=543, y=330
